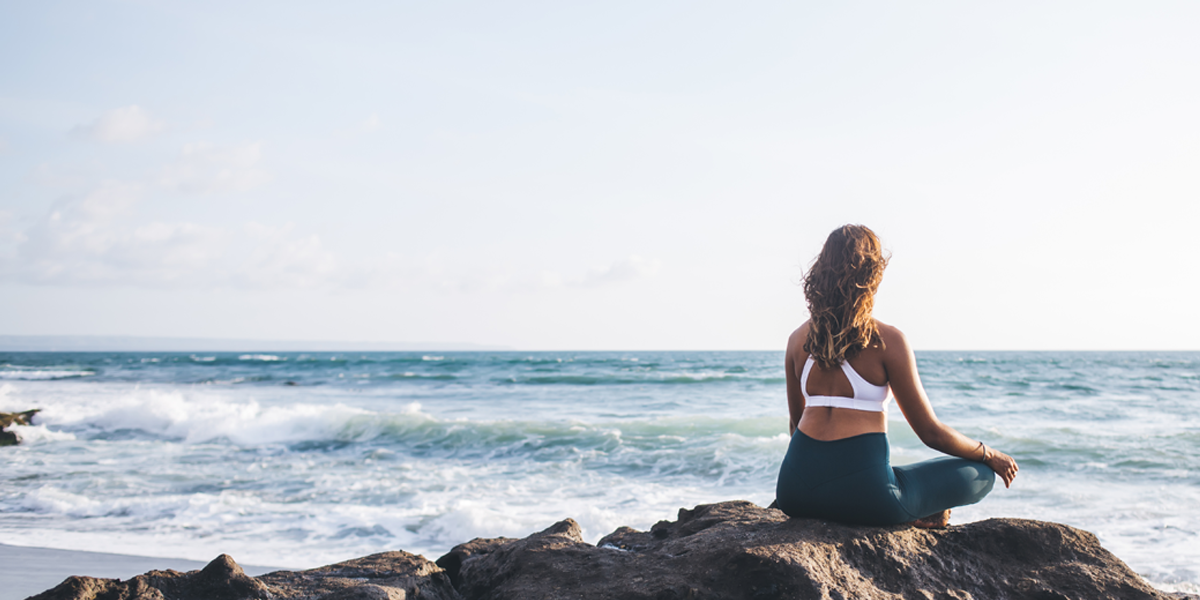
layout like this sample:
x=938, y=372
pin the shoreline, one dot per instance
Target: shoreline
x=29, y=570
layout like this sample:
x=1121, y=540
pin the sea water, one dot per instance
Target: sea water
x=303, y=459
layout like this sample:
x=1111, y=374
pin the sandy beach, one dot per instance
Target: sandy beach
x=25, y=571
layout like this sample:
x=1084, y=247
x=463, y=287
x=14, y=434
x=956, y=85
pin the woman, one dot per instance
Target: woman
x=840, y=365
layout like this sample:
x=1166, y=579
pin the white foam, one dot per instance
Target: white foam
x=53, y=500
x=35, y=434
x=262, y=357
x=6, y=400
x=196, y=416
x=11, y=372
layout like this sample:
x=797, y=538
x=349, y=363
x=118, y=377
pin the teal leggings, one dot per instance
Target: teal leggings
x=852, y=480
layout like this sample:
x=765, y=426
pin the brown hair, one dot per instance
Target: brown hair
x=840, y=289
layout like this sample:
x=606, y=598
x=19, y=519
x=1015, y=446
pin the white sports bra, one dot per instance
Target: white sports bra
x=867, y=396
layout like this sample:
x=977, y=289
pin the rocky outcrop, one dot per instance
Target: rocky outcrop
x=8, y=438
x=739, y=550
x=730, y=550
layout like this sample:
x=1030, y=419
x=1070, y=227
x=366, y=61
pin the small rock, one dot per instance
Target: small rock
x=9, y=438
x=19, y=418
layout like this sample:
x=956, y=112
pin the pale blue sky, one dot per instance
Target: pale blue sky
x=616, y=175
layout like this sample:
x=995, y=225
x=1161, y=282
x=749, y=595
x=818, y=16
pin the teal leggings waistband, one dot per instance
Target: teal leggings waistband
x=851, y=480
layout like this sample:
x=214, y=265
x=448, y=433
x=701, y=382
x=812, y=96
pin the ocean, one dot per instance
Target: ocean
x=303, y=459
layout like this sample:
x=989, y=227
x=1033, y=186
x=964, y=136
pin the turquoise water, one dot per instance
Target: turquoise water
x=301, y=459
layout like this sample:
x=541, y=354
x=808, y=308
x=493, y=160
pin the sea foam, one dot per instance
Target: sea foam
x=195, y=417
x=12, y=372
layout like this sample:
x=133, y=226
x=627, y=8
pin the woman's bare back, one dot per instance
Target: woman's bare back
x=827, y=423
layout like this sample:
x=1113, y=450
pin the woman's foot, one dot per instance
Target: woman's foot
x=938, y=521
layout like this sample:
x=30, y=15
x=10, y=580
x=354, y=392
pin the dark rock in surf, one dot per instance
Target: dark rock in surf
x=739, y=550
x=730, y=550
x=9, y=438
x=19, y=418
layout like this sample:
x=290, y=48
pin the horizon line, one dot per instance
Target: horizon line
x=134, y=343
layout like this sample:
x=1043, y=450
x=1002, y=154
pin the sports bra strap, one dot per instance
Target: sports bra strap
x=867, y=396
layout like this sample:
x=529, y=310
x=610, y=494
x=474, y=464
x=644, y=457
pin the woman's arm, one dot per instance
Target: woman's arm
x=794, y=397
x=901, y=365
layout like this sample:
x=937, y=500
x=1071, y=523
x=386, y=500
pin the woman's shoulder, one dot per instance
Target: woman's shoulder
x=798, y=336
x=796, y=341
x=891, y=336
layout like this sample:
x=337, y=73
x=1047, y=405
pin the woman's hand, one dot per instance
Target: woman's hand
x=1002, y=464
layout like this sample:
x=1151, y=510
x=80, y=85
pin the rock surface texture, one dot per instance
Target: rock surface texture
x=726, y=550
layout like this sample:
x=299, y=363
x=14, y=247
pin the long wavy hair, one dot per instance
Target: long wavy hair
x=840, y=289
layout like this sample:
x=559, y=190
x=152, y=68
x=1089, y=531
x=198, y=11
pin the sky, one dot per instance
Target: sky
x=604, y=175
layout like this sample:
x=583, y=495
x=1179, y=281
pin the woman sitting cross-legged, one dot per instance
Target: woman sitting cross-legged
x=841, y=364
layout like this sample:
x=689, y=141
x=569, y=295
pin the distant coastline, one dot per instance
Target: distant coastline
x=122, y=343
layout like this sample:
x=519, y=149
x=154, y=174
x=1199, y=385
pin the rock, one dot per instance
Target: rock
x=452, y=561
x=8, y=438
x=730, y=550
x=739, y=550
x=21, y=418
x=221, y=579
x=387, y=576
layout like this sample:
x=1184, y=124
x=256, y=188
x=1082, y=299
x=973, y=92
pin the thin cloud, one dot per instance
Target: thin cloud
x=85, y=240
x=279, y=259
x=630, y=268
x=99, y=238
x=121, y=125
x=49, y=176
x=623, y=270
x=204, y=168
x=94, y=240
x=9, y=233
x=369, y=125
